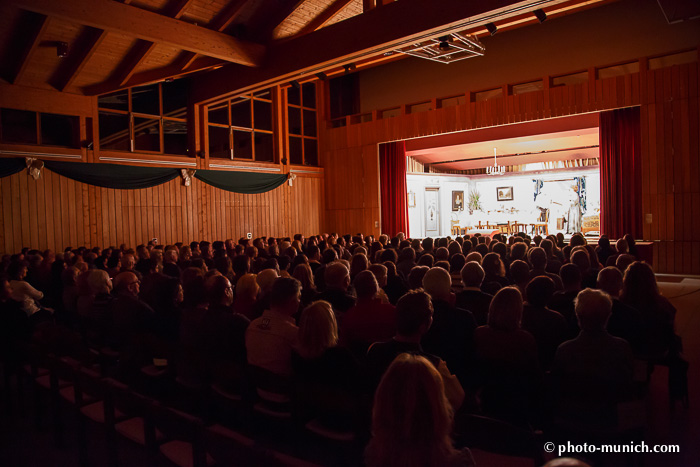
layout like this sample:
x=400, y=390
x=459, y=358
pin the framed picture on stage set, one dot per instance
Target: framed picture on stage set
x=504, y=193
x=411, y=199
x=457, y=200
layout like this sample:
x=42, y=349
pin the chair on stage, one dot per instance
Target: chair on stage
x=542, y=228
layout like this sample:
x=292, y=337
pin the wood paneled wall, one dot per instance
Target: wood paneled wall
x=55, y=212
x=669, y=103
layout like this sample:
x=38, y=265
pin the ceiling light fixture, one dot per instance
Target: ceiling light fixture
x=495, y=169
x=446, y=49
x=540, y=15
x=491, y=28
x=62, y=49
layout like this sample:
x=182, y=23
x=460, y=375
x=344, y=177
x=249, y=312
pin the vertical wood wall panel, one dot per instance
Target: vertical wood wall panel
x=56, y=212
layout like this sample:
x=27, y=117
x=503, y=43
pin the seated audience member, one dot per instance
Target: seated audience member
x=406, y=262
x=412, y=418
x=15, y=329
x=327, y=375
x=22, y=291
x=426, y=259
x=471, y=297
x=507, y=360
x=358, y=264
x=304, y=274
x=592, y=372
x=621, y=248
x=457, y=262
x=553, y=262
x=495, y=271
x=589, y=276
x=548, y=327
x=414, y=313
x=270, y=339
x=538, y=260
x=380, y=273
x=97, y=317
x=563, y=302
x=223, y=332
x=624, y=320
x=520, y=275
x=329, y=255
x=337, y=279
x=631, y=245
x=656, y=314
x=265, y=279
x=369, y=320
x=246, y=296
x=415, y=278
x=451, y=336
x=474, y=256
x=623, y=262
x=395, y=286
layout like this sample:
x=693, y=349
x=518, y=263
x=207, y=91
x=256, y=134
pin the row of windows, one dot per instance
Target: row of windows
x=25, y=127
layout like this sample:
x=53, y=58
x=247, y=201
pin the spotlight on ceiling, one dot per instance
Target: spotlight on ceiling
x=491, y=28
x=349, y=67
x=62, y=49
x=295, y=84
x=445, y=42
x=540, y=15
x=321, y=75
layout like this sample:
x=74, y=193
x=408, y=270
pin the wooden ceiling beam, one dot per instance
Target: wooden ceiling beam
x=30, y=47
x=325, y=16
x=152, y=76
x=369, y=34
x=85, y=47
x=135, y=22
x=274, y=18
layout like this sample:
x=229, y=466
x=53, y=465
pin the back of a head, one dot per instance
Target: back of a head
x=413, y=310
x=500, y=248
x=247, y=286
x=518, y=251
x=366, y=286
x=98, y=281
x=454, y=248
x=570, y=275
x=426, y=260
x=593, y=309
x=437, y=282
x=427, y=243
x=283, y=291
x=388, y=255
x=610, y=281
x=538, y=258
x=216, y=287
x=519, y=272
x=442, y=254
x=411, y=417
x=475, y=257
x=621, y=246
x=380, y=272
x=266, y=279
x=547, y=245
x=457, y=262
x=407, y=254
x=482, y=248
x=329, y=255
x=624, y=261
x=415, y=277
x=639, y=284
x=336, y=275
x=472, y=274
x=506, y=309
x=493, y=265
x=318, y=329
x=539, y=291
x=580, y=258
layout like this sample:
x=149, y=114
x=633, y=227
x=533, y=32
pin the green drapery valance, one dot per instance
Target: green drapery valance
x=241, y=182
x=123, y=177
x=131, y=177
x=10, y=166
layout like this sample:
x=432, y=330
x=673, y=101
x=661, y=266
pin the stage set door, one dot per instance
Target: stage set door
x=432, y=212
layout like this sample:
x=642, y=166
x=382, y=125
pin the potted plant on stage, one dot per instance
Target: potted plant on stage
x=474, y=203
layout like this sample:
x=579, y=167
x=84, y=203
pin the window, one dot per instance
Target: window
x=241, y=128
x=26, y=127
x=150, y=118
x=301, y=124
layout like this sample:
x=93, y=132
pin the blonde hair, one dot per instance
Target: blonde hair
x=318, y=329
x=247, y=286
x=411, y=418
x=302, y=272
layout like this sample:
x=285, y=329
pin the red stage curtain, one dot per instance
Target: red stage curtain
x=620, y=173
x=392, y=169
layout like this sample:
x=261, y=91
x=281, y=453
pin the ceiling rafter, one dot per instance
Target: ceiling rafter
x=142, y=48
x=277, y=15
x=324, y=17
x=220, y=22
x=31, y=46
x=85, y=47
x=135, y=22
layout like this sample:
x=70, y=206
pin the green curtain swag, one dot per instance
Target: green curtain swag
x=131, y=177
x=122, y=177
x=241, y=182
x=10, y=166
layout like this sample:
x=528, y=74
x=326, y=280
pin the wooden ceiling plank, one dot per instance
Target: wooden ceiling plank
x=369, y=34
x=222, y=21
x=85, y=47
x=326, y=15
x=141, y=49
x=32, y=44
x=135, y=22
x=275, y=18
x=151, y=76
